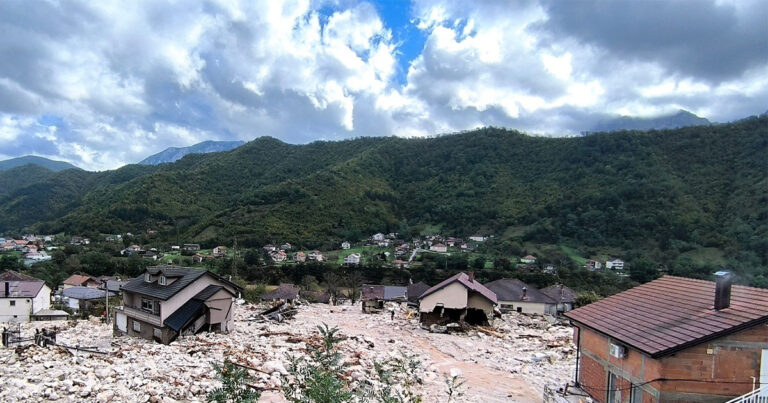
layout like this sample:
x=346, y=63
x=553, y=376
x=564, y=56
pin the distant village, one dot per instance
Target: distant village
x=671, y=339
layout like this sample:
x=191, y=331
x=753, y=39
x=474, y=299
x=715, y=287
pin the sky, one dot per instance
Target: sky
x=106, y=83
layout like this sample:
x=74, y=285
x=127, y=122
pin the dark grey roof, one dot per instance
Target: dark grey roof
x=208, y=292
x=183, y=316
x=560, y=293
x=84, y=293
x=394, y=292
x=284, y=291
x=415, y=290
x=163, y=292
x=113, y=285
x=511, y=289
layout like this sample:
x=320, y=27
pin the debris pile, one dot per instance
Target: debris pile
x=511, y=361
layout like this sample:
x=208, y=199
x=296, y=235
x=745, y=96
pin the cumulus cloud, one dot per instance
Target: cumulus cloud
x=105, y=83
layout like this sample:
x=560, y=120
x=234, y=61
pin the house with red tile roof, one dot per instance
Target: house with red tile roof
x=79, y=280
x=673, y=339
x=458, y=299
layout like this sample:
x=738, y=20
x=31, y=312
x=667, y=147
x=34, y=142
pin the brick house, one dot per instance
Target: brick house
x=673, y=339
x=168, y=301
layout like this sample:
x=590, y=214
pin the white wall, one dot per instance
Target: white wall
x=539, y=308
x=42, y=300
x=453, y=296
x=22, y=309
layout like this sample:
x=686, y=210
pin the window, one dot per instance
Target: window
x=637, y=394
x=147, y=305
x=136, y=326
x=162, y=280
x=13, y=303
x=614, y=394
x=147, y=277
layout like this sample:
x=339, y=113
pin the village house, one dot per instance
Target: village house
x=83, y=298
x=22, y=297
x=673, y=339
x=528, y=259
x=352, y=259
x=198, y=258
x=374, y=296
x=515, y=295
x=78, y=240
x=562, y=295
x=151, y=255
x=191, y=247
x=299, y=257
x=283, y=293
x=269, y=248
x=278, y=256
x=168, y=301
x=316, y=256
x=457, y=299
x=593, y=265
x=478, y=238
x=377, y=237
x=19, y=244
x=400, y=264
x=345, y=245
x=80, y=280
x=219, y=251
x=438, y=247
x=615, y=264
x=285, y=246
x=175, y=247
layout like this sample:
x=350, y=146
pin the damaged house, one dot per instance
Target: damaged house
x=374, y=296
x=455, y=300
x=287, y=293
x=168, y=301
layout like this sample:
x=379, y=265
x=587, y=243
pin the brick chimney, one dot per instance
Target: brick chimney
x=471, y=276
x=723, y=280
x=7, y=289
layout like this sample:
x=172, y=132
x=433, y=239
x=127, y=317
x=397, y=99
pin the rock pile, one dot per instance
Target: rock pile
x=530, y=351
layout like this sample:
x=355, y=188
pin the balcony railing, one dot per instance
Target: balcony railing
x=759, y=395
x=141, y=315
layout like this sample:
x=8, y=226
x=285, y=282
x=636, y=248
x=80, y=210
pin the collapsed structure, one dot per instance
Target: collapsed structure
x=374, y=296
x=458, y=299
x=168, y=301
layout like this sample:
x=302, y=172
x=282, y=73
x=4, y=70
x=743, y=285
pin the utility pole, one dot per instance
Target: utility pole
x=106, y=301
x=234, y=258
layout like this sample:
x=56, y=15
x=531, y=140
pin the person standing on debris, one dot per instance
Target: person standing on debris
x=37, y=337
x=5, y=337
x=392, y=313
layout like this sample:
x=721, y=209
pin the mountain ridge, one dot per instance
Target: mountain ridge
x=47, y=163
x=173, y=154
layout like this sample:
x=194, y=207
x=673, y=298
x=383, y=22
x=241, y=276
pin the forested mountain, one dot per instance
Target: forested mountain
x=682, y=118
x=53, y=165
x=173, y=154
x=657, y=193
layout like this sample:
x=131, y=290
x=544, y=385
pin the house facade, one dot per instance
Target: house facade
x=562, y=295
x=169, y=301
x=615, y=264
x=673, y=339
x=457, y=299
x=352, y=259
x=22, y=296
x=438, y=247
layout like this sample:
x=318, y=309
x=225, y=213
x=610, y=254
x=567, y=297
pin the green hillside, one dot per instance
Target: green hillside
x=53, y=165
x=660, y=194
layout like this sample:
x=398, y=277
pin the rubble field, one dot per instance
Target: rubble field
x=508, y=362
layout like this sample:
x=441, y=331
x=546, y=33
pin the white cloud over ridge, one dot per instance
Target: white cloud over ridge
x=105, y=83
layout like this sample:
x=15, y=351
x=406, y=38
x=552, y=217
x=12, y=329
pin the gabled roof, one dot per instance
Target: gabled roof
x=11, y=275
x=671, y=314
x=463, y=279
x=560, y=293
x=78, y=279
x=208, y=292
x=185, y=277
x=21, y=289
x=511, y=289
